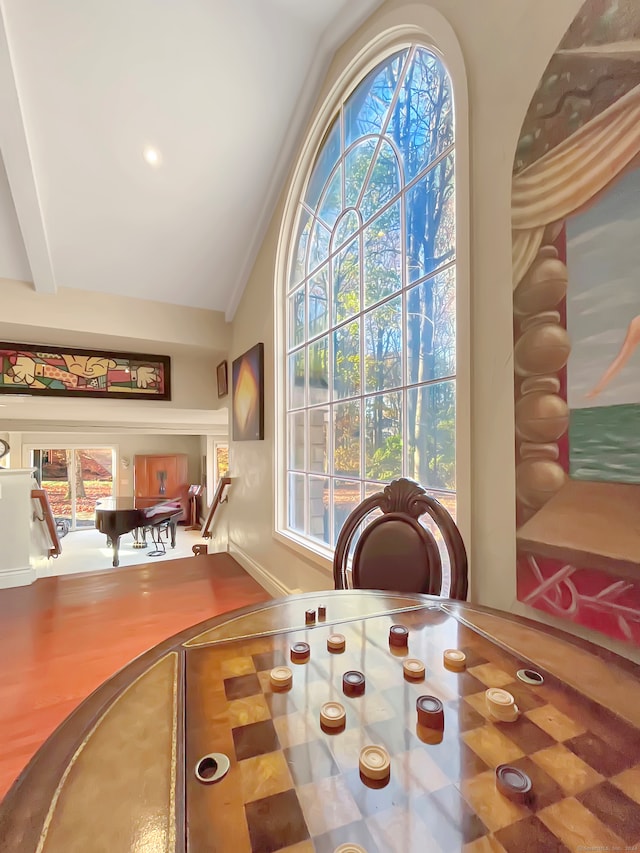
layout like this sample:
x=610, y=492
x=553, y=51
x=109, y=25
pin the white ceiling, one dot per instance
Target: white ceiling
x=221, y=88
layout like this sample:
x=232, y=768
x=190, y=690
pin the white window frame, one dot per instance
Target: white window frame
x=216, y=477
x=27, y=454
x=396, y=30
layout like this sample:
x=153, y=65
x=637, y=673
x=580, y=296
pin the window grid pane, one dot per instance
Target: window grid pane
x=296, y=317
x=370, y=330
x=318, y=312
x=337, y=244
x=346, y=360
x=347, y=494
x=383, y=346
x=317, y=439
x=346, y=436
x=297, y=441
x=296, y=503
x=318, y=501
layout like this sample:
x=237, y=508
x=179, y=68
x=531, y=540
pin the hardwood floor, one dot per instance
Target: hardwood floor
x=63, y=636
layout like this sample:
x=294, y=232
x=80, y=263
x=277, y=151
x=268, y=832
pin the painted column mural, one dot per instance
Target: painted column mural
x=576, y=279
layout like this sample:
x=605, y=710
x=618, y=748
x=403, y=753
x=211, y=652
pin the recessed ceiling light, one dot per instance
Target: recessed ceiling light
x=152, y=156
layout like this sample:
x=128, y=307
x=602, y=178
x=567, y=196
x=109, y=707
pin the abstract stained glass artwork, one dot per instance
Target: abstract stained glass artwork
x=248, y=395
x=66, y=372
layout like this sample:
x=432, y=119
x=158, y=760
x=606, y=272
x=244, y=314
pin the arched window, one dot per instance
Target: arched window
x=370, y=301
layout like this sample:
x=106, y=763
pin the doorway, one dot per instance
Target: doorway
x=74, y=479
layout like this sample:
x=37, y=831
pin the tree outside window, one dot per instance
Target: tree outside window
x=371, y=300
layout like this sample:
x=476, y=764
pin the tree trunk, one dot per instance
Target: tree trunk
x=68, y=454
x=80, y=492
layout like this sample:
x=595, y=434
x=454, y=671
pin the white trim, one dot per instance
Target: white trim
x=322, y=558
x=17, y=577
x=9, y=471
x=375, y=40
x=259, y=573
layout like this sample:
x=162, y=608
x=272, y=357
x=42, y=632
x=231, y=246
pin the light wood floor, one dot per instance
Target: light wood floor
x=61, y=637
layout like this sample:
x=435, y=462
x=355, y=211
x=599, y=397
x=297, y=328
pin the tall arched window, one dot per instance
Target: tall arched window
x=371, y=327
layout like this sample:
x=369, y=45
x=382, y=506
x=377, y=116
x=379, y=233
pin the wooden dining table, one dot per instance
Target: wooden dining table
x=136, y=766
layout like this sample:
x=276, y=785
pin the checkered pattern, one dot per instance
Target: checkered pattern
x=295, y=787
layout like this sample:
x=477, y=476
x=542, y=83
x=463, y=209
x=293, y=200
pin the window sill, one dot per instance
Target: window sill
x=323, y=559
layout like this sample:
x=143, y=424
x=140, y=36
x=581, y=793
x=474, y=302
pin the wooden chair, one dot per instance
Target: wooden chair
x=394, y=551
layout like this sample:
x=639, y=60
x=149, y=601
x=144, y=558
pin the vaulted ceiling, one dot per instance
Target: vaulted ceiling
x=214, y=93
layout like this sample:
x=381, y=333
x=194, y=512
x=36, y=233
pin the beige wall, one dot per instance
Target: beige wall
x=195, y=339
x=87, y=313
x=506, y=45
x=251, y=504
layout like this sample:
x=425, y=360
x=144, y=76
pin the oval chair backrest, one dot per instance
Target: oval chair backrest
x=396, y=553
x=402, y=557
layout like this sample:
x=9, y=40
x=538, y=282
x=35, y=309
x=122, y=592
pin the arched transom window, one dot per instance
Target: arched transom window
x=371, y=331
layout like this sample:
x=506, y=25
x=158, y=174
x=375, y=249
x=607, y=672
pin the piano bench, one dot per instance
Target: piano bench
x=156, y=530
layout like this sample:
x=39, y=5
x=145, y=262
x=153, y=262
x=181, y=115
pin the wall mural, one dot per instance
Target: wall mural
x=576, y=278
x=70, y=372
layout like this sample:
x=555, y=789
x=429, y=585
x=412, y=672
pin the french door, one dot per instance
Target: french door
x=74, y=479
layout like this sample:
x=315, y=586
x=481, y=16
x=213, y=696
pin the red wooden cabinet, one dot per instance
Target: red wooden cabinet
x=159, y=477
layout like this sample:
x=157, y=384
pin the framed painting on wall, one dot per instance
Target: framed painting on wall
x=248, y=395
x=42, y=370
x=223, y=384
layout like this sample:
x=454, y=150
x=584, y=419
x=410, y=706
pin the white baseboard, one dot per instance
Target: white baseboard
x=259, y=573
x=17, y=577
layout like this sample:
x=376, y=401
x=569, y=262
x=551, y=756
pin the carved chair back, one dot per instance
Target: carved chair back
x=394, y=551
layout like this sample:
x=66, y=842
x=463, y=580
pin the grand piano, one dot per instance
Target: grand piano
x=117, y=516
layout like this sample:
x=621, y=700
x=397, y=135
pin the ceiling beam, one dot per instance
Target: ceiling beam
x=14, y=145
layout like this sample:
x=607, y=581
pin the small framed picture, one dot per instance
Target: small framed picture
x=223, y=384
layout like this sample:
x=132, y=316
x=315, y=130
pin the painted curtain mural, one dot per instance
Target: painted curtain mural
x=576, y=279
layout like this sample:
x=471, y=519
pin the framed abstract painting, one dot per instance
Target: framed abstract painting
x=248, y=395
x=42, y=370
